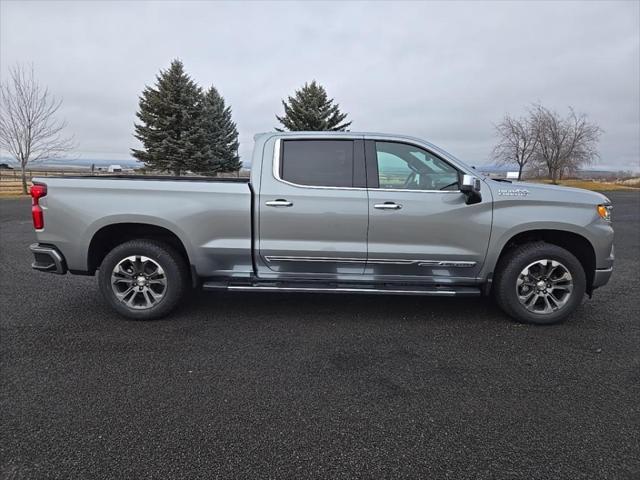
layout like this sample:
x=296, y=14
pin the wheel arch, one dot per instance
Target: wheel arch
x=110, y=236
x=573, y=242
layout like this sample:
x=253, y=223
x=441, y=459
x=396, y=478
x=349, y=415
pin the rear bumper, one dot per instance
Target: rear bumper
x=47, y=258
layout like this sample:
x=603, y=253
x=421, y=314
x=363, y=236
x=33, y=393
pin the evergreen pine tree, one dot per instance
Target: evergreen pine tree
x=171, y=128
x=221, y=133
x=311, y=109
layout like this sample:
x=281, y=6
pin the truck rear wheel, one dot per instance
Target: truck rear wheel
x=143, y=279
x=539, y=283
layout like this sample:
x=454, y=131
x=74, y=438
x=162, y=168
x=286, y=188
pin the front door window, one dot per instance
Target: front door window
x=407, y=167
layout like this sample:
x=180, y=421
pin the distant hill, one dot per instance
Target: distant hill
x=497, y=168
x=77, y=162
x=604, y=171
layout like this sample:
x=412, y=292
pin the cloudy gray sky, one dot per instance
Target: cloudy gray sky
x=441, y=71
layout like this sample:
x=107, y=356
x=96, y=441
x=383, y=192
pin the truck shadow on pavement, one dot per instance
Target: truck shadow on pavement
x=335, y=307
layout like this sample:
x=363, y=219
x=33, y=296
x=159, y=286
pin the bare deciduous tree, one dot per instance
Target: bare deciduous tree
x=29, y=130
x=517, y=142
x=564, y=144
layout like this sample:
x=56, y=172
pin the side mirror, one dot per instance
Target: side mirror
x=471, y=187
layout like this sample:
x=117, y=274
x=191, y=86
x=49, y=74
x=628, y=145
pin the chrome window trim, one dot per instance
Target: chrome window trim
x=425, y=145
x=377, y=261
x=276, y=168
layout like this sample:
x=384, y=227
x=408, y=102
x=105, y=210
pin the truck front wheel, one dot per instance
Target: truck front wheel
x=143, y=279
x=539, y=283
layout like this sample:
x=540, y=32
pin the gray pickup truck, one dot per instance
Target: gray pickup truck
x=331, y=213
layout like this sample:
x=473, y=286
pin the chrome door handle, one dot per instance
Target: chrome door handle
x=279, y=203
x=387, y=206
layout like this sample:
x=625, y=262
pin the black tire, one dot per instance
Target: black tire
x=174, y=272
x=515, y=261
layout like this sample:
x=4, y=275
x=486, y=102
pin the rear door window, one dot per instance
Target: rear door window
x=322, y=163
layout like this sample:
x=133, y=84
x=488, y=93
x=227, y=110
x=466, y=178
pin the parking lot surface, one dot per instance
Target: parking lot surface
x=315, y=386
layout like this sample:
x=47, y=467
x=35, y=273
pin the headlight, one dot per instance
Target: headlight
x=605, y=212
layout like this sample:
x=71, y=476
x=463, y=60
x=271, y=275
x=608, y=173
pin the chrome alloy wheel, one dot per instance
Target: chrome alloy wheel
x=139, y=282
x=544, y=286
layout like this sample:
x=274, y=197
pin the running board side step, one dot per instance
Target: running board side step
x=448, y=291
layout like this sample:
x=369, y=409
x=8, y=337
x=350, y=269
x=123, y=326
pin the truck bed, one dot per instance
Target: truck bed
x=211, y=216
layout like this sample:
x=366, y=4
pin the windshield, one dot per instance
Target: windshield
x=448, y=155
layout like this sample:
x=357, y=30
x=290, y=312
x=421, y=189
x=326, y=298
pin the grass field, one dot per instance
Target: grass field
x=629, y=185
x=11, y=183
x=11, y=187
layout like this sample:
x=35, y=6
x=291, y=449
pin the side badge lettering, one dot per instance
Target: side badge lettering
x=517, y=192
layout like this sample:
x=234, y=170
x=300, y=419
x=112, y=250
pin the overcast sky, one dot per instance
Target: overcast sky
x=441, y=71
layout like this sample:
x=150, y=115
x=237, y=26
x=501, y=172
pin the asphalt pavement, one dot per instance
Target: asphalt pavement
x=257, y=385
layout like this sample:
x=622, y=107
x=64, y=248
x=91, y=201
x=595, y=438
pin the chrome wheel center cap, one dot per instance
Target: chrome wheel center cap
x=541, y=285
x=141, y=281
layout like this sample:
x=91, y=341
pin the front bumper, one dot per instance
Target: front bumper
x=601, y=277
x=47, y=258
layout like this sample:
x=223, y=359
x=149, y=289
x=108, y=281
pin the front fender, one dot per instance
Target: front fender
x=547, y=216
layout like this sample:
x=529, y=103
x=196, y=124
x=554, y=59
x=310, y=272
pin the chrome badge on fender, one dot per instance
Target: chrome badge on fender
x=514, y=192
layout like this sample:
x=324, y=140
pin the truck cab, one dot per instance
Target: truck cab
x=367, y=207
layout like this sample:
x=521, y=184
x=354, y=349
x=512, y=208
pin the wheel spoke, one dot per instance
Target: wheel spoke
x=554, y=266
x=524, y=298
x=532, y=300
x=535, y=275
x=150, y=296
x=565, y=277
x=549, y=306
x=124, y=294
x=120, y=270
x=131, y=300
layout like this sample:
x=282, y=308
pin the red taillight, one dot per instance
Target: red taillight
x=38, y=217
x=38, y=190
